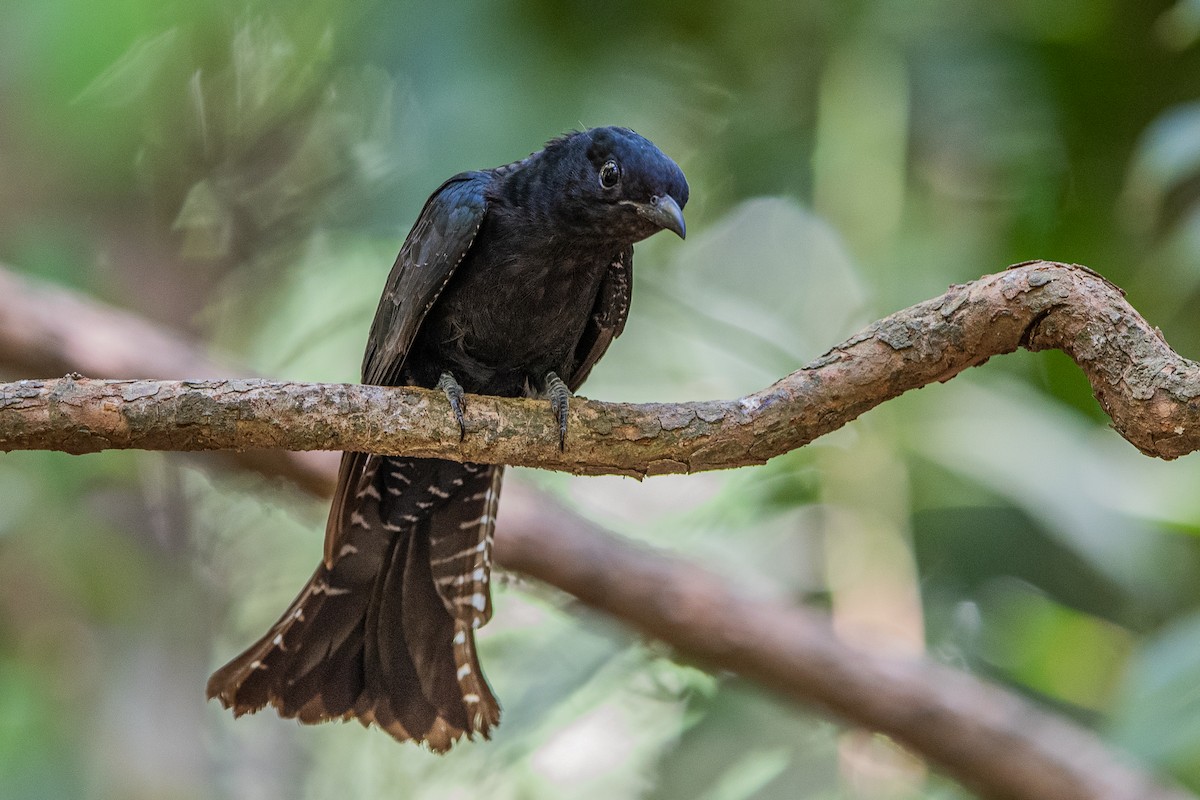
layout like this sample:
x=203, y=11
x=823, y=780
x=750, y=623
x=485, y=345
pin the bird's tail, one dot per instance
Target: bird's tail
x=375, y=635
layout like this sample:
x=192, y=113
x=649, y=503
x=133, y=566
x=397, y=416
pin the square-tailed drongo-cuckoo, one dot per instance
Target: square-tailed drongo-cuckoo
x=512, y=282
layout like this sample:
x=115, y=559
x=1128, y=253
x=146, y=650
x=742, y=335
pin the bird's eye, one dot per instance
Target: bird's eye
x=610, y=174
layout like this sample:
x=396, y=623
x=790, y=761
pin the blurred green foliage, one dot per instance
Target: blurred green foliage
x=246, y=171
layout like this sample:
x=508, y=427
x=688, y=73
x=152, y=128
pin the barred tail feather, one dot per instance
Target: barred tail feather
x=373, y=635
x=482, y=708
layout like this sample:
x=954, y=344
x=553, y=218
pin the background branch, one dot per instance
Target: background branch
x=991, y=739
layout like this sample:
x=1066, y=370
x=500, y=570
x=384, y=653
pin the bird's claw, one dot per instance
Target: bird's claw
x=560, y=402
x=454, y=393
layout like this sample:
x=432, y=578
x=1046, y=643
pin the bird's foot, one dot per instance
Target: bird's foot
x=454, y=393
x=560, y=401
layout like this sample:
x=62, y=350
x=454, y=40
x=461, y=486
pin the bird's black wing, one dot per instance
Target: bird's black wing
x=437, y=244
x=608, y=317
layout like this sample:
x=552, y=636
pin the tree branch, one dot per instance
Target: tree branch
x=1145, y=387
x=992, y=740
x=46, y=330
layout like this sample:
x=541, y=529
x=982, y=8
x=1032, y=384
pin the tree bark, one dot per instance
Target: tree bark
x=1147, y=388
x=48, y=331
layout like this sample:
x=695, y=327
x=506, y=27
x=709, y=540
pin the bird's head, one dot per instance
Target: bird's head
x=620, y=183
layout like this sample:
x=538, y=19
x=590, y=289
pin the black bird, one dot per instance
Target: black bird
x=512, y=282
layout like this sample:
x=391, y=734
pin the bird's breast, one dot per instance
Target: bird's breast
x=509, y=315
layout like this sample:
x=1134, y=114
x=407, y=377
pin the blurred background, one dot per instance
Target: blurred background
x=245, y=172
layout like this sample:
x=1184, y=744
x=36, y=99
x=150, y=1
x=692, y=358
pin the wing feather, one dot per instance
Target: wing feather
x=608, y=317
x=439, y=241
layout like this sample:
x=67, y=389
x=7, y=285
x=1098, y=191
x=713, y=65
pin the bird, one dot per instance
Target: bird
x=513, y=282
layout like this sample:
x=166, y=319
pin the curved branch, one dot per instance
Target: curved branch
x=1149, y=391
x=992, y=740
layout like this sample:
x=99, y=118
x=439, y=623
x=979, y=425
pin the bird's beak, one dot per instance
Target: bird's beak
x=664, y=212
